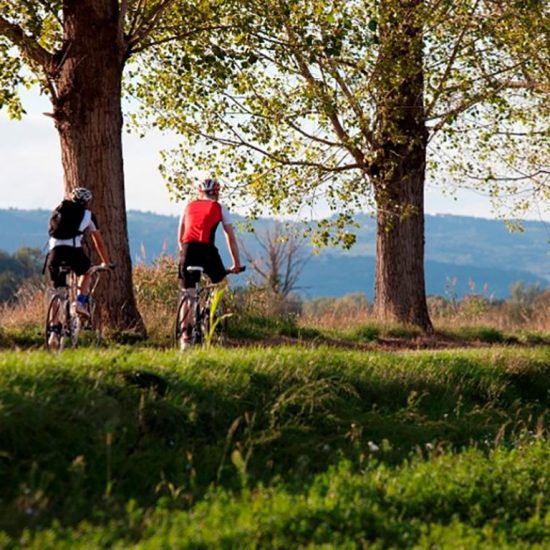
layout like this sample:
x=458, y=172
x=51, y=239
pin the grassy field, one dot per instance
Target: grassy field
x=281, y=447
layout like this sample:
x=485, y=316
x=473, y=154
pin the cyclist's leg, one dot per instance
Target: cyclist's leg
x=57, y=258
x=184, y=320
x=80, y=264
x=189, y=255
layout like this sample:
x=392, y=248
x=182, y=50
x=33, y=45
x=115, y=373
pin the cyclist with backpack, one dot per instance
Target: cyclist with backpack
x=197, y=227
x=66, y=227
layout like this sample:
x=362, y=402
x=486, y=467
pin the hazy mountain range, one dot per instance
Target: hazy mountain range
x=463, y=254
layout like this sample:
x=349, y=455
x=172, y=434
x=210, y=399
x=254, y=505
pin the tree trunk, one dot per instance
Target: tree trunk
x=400, y=292
x=88, y=116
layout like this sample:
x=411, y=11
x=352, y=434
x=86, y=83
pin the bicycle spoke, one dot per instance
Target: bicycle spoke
x=66, y=329
x=53, y=323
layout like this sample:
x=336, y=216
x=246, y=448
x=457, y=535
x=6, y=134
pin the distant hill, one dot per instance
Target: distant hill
x=460, y=251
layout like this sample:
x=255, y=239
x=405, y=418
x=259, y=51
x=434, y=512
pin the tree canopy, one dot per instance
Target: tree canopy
x=282, y=98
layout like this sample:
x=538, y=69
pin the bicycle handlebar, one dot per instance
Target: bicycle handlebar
x=101, y=267
x=241, y=269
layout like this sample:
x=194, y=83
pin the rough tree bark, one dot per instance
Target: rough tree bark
x=399, y=174
x=88, y=116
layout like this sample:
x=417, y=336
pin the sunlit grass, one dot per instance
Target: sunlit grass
x=94, y=434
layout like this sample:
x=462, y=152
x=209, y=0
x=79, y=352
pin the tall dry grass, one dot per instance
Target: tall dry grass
x=519, y=313
x=27, y=310
x=157, y=293
x=345, y=313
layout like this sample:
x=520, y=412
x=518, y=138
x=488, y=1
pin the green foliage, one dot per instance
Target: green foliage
x=279, y=98
x=273, y=447
x=467, y=501
x=24, y=264
x=17, y=69
x=215, y=316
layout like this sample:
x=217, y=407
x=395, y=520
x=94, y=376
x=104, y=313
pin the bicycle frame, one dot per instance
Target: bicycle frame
x=61, y=325
x=62, y=318
x=193, y=312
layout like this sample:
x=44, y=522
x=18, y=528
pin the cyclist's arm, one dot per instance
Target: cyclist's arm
x=232, y=246
x=99, y=244
x=181, y=229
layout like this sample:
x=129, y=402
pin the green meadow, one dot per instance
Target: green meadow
x=282, y=447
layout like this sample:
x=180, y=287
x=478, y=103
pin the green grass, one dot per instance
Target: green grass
x=471, y=500
x=26, y=337
x=488, y=335
x=256, y=327
x=288, y=445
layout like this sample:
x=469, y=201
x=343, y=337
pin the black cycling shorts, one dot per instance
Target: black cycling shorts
x=202, y=255
x=71, y=256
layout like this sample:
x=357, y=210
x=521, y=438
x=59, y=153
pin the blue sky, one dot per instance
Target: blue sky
x=31, y=175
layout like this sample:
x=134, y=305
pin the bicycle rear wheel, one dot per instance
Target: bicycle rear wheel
x=184, y=316
x=54, y=328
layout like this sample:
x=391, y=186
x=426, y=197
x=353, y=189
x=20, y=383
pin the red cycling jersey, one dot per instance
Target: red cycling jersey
x=201, y=220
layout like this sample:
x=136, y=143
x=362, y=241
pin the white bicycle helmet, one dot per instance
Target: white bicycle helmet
x=209, y=186
x=81, y=194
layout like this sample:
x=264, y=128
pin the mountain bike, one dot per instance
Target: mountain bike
x=194, y=315
x=63, y=323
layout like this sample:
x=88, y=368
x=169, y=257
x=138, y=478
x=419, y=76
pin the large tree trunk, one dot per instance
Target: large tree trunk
x=88, y=116
x=400, y=293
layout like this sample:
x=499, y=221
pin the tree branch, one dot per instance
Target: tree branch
x=179, y=36
x=363, y=122
x=28, y=45
x=330, y=111
x=239, y=141
x=121, y=18
x=448, y=68
x=137, y=18
x=527, y=84
x=144, y=29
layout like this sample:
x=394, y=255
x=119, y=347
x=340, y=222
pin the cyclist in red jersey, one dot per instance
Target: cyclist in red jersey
x=198, y=223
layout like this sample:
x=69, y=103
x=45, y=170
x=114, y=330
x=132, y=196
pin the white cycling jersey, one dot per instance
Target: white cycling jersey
x=88, y=223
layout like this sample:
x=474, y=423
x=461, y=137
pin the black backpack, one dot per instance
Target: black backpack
x=65, y=220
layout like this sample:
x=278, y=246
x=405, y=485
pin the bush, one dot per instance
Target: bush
x=157, y=292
